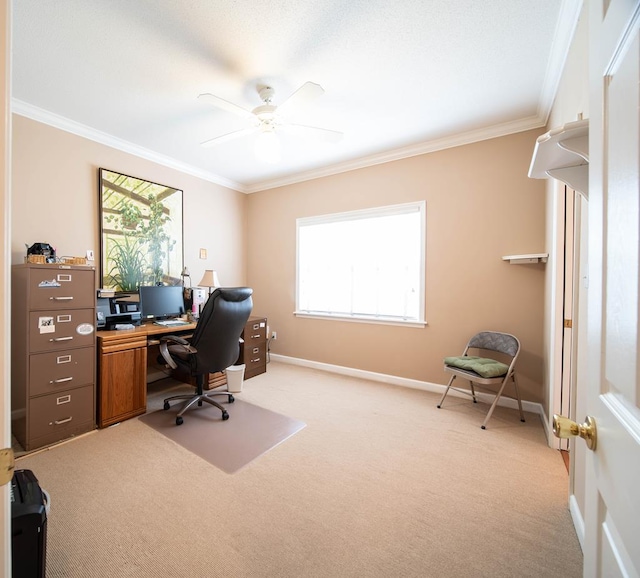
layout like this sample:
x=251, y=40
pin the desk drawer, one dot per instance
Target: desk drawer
x=59, y=415
x=56, y=371
x=53, y=330
x=53, y=288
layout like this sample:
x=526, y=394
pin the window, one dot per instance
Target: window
x=364, y=265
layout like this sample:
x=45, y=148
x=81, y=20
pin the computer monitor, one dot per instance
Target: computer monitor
x=161, y=301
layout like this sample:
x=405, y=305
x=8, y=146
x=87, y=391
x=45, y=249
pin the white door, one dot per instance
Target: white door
x=5, y=214
x=612, y=508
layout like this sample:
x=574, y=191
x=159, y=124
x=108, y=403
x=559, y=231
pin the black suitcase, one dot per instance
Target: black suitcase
x=28, y=526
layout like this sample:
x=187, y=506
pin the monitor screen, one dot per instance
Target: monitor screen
x=161, y=301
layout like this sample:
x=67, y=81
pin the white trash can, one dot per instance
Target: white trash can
x=235, y=377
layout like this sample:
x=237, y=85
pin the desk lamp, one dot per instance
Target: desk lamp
x=209, y=279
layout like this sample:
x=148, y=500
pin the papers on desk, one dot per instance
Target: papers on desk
x=171, y=322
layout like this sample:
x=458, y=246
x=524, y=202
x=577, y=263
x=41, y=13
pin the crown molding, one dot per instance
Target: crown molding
x=563, y=36
x=38, y=114
x=431, y=146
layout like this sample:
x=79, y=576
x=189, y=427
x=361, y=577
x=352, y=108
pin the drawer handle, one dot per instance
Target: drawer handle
x=254, y=360
x=63, y=399
x=255, y=336
x=62, y=338
x=61, y=298
x=61, y=380
x=255, y=350
x=61, y=421
x=256, y=326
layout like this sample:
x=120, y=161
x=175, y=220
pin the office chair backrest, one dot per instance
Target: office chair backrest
x=217, y=335
x=495, y=341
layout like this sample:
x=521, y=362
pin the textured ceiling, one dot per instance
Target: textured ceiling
x=400, y=77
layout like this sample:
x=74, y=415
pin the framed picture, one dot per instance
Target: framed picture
x=141, y=239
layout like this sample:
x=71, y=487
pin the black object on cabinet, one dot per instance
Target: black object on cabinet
x=28, y=526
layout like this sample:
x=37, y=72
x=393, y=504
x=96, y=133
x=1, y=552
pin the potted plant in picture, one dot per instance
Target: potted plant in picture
x=158, y=242
x=128, y=263
x=130, y=215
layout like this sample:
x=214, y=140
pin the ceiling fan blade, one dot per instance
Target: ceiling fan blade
x=324, y=134
x=227, y=137
x=306, y=93
x=225, y=105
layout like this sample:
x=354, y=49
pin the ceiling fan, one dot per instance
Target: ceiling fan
x=268, y=118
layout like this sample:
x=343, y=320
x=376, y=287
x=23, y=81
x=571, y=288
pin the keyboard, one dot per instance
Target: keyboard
x=171, y=322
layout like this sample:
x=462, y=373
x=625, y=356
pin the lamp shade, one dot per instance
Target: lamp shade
x=209, y=279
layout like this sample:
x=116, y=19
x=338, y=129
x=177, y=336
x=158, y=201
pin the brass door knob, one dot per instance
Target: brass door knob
x=565, y=428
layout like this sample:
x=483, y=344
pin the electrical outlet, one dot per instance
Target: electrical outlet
x=274, y=336
x=90, y=255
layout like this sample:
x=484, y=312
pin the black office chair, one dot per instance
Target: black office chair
x=214, y=346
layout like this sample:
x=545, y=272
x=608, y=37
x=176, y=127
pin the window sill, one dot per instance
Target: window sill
x=361, y=319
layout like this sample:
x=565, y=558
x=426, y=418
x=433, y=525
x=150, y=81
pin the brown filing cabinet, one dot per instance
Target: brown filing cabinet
x=53, y=352
x=253, y=352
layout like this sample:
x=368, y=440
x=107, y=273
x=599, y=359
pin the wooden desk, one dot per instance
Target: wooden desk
x=122, y=370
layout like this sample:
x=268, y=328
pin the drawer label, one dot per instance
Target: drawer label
x=85, y=329
x=46, y=325
x=63, y=359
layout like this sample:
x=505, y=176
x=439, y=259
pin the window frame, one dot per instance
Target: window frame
x=387, y=210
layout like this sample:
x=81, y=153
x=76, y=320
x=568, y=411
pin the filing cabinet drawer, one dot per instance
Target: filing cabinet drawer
x=255, y=331
x=54, y=330
x=255, y=359
x=56, y=371
x=53, y=288
x=59, y=415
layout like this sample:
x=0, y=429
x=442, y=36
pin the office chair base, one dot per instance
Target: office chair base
x=199, y=399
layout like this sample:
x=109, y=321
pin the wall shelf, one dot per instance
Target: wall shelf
x=526, y=259
x=563, y=153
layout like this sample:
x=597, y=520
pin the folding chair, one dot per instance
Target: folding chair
x=484, y=372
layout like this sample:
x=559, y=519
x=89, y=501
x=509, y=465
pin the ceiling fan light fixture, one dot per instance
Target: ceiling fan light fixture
x=267, y=147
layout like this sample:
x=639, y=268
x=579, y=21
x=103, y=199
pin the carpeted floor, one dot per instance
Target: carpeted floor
x=380, y=483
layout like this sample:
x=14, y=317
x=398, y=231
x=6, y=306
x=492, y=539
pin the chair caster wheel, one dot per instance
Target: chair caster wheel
x=483, y=427
x=438, y=406
x=179, y=420
x=225, y=416
x=231, y=399
x=166, y=405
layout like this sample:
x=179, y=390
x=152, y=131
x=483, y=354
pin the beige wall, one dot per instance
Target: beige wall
x=480, y=205
x=55, y=200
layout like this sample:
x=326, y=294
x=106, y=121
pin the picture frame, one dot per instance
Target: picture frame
x=141, y=232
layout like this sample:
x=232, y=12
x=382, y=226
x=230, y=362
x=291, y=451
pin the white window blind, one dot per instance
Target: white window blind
x=366, y=265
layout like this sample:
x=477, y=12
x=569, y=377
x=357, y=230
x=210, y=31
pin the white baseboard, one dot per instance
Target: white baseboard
x=528, y=406
x=578, y=520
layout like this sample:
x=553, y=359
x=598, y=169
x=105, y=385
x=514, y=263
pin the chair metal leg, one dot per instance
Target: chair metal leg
x=494, y=404
x=446, y=391
x=473, y=392
x=515, y=385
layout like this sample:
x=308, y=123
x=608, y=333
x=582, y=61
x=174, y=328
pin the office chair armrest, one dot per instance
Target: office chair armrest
x=164, y=348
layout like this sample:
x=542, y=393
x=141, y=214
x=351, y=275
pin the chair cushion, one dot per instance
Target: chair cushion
x=483, y=366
